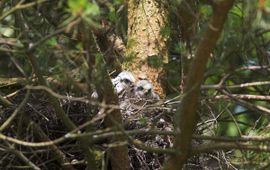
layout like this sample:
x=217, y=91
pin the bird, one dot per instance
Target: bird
x=123, y=81
x=144, y=90
x=135, y=101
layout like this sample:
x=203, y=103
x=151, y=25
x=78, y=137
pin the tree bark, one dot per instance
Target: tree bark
x=187, y=15
x=147, y=46
x=118, y=155
x=112, y=48
x=186, y=118
x=98, y=74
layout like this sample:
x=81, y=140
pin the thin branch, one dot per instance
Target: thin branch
x=206, y=148
x=83, y=143
x=60, y=30
x=9, y=41
x=245, y=68
x=218, y=86
x=247, y=104
x=59, y=154
x=233, y=139
x=15, y=113
x=226, y=142
x=5, y=102
x=70, y=98
x=97, y=136
x=253, y=68
x=22, y=157
x=20, y=5
x=242, y=96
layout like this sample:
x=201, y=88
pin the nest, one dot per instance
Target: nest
x=38, y=115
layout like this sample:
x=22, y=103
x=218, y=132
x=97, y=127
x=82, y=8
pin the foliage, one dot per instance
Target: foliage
x=50, y=32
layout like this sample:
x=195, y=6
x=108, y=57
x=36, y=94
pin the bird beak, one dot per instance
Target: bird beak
x=146, y=91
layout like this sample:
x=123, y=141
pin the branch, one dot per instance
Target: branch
x=22, y=157
x=5, y=102
x=69, y=124
x=16, y=111
x=112, y=46
x=100, y=135
x=119, y=155
x=97, y=136
x=186, y=117
x=247, y=104
x=53, y=100
x=20, y=5
x=60, y=30
x=218, y=86
x=57, y=152
x=227, y=146
x=233, y=139
x=187, y=13
x=242, y=96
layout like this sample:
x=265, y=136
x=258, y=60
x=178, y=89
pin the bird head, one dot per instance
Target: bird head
x=143, y=89
x=123, y=81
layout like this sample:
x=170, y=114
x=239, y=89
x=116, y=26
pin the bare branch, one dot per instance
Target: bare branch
x=251, y=84
x=7, y=123
x=247, y=104
x=242, y=96
x=186, y=118
x=227, y=146
x=22, y=156
x=20, y=5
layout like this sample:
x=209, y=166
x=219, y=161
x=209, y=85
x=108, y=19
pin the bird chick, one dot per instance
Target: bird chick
x=144, y=89
x=124, y=80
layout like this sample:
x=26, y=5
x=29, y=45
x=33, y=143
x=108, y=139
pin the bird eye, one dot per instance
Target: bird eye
x=140, y=88
x=148, y=91
x=127, y=81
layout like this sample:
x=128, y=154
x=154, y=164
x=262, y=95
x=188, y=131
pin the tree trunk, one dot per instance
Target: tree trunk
x=187, y=15
x=147, y=46
x=186, y=118
x=183, y=26
x=98, y=74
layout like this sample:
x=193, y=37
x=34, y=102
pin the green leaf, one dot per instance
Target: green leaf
x=92, y=9
x=77, y=6
x=52, y=41
x=165, y=31
x=83, y=8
